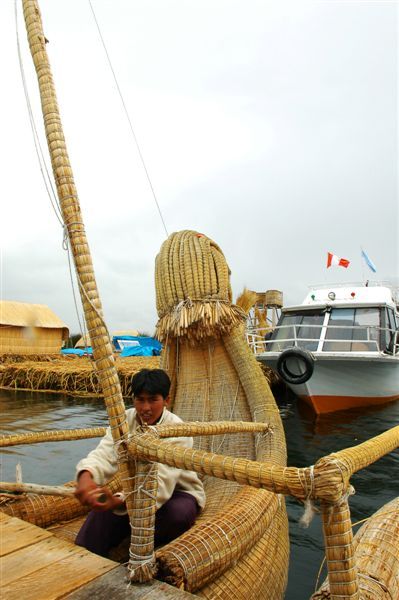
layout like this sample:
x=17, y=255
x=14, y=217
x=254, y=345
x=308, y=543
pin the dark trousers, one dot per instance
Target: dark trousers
x=103, y=530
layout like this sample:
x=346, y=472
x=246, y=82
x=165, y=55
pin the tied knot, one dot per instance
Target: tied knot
x=331, y=479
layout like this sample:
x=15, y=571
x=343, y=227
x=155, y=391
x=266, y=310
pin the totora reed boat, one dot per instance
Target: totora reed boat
x=238, y=548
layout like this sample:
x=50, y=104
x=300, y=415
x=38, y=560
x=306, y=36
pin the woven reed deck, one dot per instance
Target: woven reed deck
x=35, y=565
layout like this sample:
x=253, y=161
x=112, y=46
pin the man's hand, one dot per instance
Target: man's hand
x=95, y=497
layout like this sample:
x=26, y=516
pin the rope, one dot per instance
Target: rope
x=128, y=118
x=310, y=509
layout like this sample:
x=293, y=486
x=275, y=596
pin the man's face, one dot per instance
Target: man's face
x=149, y=407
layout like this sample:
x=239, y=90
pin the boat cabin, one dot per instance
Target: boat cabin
x=357, y=319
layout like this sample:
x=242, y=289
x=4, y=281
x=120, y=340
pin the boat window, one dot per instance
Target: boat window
x=284, y=333
x=309, y=331
x=367, y=330
x=339, y=330
x=302, y=329
x=389, y=329
x=352, y=330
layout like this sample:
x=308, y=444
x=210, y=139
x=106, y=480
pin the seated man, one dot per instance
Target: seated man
x=180, y=493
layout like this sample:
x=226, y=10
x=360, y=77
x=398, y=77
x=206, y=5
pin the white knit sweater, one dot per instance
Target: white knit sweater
x=102, y=463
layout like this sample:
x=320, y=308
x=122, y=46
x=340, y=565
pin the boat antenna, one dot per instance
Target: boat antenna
x=128, y=118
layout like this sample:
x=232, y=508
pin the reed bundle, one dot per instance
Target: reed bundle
x=261, y=319
x=39, y=437
x=193, y=289
x=144, y=491
x=326, y=481
x=376, y=557
x=215, y=377
x=6, y=358
x=45, y=510
x=246, y=300
x=273, y=298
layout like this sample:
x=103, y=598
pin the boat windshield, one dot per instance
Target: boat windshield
x=353, y=330
x=299, y=328
x=362, y=329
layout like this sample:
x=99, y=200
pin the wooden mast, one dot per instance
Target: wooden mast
x=74, y=226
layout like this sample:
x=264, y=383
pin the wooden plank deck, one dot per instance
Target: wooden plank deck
x=35, y=565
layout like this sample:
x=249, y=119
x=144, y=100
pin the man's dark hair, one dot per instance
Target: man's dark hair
x=152, y=381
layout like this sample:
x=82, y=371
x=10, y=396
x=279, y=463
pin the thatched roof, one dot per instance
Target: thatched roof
x=22, y=314
x=85, y=339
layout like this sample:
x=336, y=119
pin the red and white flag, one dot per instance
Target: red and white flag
x=335, y=261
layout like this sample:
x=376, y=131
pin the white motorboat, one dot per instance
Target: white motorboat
x=339, y=349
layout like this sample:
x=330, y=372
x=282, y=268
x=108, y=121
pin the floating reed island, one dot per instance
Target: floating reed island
x=74, y=375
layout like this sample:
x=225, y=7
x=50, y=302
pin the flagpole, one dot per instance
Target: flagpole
x=362, y=263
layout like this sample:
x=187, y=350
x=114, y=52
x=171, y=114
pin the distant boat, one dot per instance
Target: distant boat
x=339, y=349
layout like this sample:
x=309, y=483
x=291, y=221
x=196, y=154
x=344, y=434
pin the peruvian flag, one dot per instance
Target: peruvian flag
x=335, y=261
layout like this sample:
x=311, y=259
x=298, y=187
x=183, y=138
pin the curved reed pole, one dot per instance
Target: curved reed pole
x=73, y=223
x=39, y=437
x=326, y=481
x=340, y=552
x=188, y=429
x=164, y=431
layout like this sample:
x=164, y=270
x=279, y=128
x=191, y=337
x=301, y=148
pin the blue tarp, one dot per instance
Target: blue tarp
x=140, y=351
x=138, y=346
x=77, y=351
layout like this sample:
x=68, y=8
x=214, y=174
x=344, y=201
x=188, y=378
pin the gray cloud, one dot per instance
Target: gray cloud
x=269, y=126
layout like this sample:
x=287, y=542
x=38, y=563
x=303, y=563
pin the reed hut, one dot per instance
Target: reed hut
x=30, y=329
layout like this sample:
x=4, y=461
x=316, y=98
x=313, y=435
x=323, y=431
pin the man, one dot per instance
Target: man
x=180, y=494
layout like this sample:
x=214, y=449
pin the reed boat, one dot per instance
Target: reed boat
x=339, y=349
x=238, y=548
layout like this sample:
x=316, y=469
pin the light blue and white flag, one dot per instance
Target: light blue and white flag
x=369, y=262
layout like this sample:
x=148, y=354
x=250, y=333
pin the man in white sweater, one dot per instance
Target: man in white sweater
x=180, y=494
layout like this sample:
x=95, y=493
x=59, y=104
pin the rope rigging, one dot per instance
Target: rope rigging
x=128, y=118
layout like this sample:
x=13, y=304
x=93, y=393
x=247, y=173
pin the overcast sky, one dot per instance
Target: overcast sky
x=272, y=127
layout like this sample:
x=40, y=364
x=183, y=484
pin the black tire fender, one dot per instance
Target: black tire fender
x=302, y=356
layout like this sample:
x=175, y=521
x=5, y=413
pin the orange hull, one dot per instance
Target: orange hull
x=327, y=404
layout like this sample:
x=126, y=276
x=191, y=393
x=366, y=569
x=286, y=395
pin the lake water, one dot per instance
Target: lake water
x=308, y=439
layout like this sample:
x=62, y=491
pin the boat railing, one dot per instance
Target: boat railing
x=356, y=338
